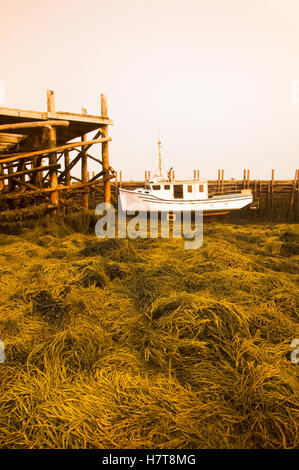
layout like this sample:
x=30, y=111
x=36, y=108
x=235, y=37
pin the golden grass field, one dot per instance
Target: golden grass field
x=143, y=344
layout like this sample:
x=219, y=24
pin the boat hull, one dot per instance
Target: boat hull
x=135, y=201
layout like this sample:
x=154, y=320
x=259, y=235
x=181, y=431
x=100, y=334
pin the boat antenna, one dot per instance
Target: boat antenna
x=159, y=151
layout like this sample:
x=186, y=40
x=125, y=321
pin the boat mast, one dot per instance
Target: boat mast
x=160, y=159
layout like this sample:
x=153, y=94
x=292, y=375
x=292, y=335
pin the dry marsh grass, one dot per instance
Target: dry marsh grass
x=142, y=344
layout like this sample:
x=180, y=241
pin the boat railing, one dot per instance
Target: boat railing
x=227, y=189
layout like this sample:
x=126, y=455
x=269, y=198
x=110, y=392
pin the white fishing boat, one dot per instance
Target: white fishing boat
x=169, y=195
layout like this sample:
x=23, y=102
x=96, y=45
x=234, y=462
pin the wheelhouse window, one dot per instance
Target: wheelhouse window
x=178, y=191
x=147, y=186
x=189, y=188
x=156, y=187
x=201, y=188
x=167, y=186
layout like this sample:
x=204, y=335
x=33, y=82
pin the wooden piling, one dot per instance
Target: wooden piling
x=116, y=183
x=66, y=164
x=248, y=179
x=222, y=181
x=94, y=202
x=84, y=173
x=54, y=195
x=272, y=188
x=105, y=151
x=11, y=183
x=293, y=192
x=1, y=181
x=269, y=196
x=50, y=101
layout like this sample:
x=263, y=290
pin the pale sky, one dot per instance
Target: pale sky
x=214, y=76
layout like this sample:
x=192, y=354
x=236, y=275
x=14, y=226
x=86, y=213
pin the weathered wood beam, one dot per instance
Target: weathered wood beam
x=222, y=181
x=89, y=183
x=18, y=156
x=11, y=138
x=292, y=197
x=84, y=175
x=95, y=177
x=94, y=158
x=26, y=184
x=53, y=163
x=54, y=196
x=6, y=146
x=42, y=191
x=105, y=151
x=76, y=179
x=28, y=171
x=66, y=165
x=36, y=124
x=11, y=182
x=59, y=115
x=91, y=156
x=22, y=167
x=248, y=179
x=17, y=195
x=78, y=117
x=50, y=101
x=1, y=181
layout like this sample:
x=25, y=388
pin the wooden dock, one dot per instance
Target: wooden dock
x=38, y=154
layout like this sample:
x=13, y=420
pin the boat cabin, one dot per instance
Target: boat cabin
x=177, y=190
